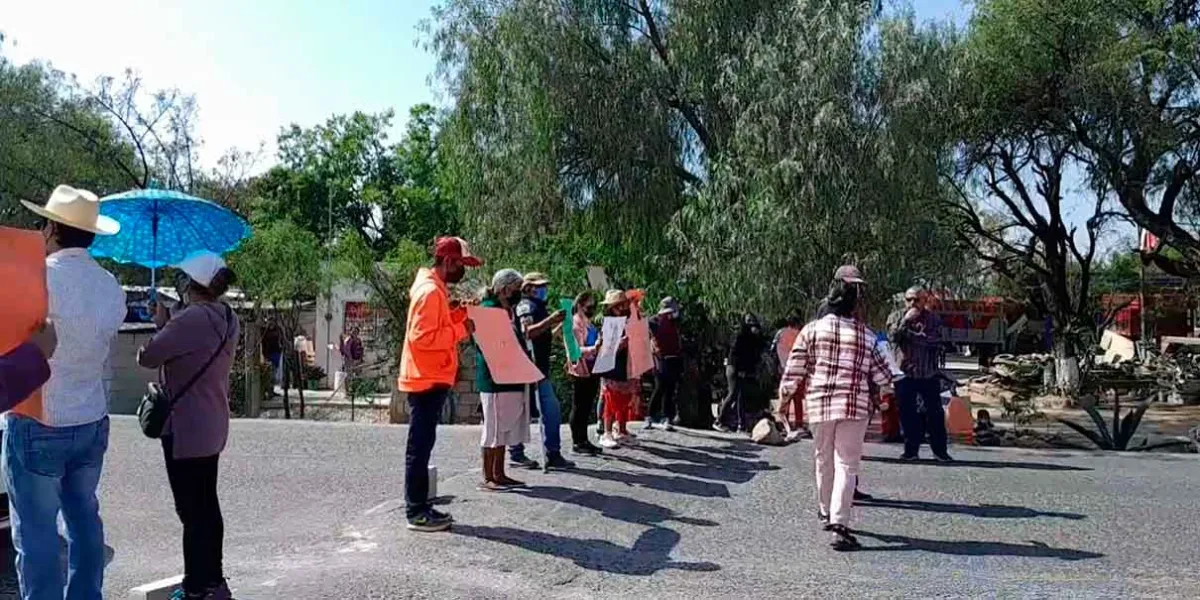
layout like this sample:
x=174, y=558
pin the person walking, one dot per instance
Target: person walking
x=55, y=442
x=195, y=348
x=835, y=361
x=668, y=364
x=272, y=350
x=505, y=407
x=617, y=391
x=585, y=386
x=538, y=324
x=795, y=405
x=428, y=367
x=915, y=333
x=741, y=372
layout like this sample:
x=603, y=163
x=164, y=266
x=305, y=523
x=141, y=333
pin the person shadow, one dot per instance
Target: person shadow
x=725, y=463
x=648, y=555
x=713, y=472
x=662, y=483
x=980, y=464
x=749, y=450
x=985, y=511
x=1033, y=549
x=618, y=508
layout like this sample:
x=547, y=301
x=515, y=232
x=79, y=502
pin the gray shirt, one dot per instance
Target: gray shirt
x=199, y=423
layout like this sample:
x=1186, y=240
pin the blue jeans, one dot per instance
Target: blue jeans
x=551, y=421
x=424, y=412
x=48, y=469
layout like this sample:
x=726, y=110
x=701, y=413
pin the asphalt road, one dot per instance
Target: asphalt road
x=314, y=510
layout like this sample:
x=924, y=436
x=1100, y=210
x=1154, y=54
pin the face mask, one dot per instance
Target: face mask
x=182, y=283
x=541, y=293
x=589, y=311
x=514, y=296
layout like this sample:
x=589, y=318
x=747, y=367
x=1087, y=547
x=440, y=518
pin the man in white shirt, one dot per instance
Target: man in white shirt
x=55, y=441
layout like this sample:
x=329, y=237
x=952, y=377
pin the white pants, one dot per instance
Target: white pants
x=837, y=450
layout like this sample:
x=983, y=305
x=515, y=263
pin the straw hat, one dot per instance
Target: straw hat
x=612, y=297
x=75, y=208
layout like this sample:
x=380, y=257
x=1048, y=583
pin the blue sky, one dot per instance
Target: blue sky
x=255, y=66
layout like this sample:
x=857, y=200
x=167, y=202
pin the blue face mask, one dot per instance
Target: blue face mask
x=541, y=293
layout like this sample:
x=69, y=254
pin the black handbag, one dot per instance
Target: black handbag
x=157, y=404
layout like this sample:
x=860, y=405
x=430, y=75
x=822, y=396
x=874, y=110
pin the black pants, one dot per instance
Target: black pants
x=666, y=382
x=194, y=486
x=424, y=411
x=585, y=392
x=921, y=413
x=738, y=401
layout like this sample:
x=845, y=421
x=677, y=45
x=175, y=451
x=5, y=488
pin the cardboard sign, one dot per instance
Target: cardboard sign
x=610, y=339
x=574, y=353
x=503, y=353
x=787, y=339
x=23, y=271
x=641, y=355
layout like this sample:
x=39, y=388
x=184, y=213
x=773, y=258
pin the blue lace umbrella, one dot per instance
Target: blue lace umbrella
x=162, y=227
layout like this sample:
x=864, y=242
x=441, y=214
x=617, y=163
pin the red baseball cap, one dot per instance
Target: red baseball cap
x=456, y=248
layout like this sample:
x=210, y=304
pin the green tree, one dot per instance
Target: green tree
x=280, y=269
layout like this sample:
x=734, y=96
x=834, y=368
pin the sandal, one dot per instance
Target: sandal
x=492, y=486
x=843, y=541
x=511, y=483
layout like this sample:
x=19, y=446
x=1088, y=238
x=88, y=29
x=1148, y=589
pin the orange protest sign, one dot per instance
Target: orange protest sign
x=641, y=358
x=505, y=357
x=23, y=271
x=787, y=339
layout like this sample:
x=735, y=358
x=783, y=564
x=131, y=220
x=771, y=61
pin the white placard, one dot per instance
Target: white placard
x=610, y=339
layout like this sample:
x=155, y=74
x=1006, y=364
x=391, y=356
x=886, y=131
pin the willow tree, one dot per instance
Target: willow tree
x=744, y=146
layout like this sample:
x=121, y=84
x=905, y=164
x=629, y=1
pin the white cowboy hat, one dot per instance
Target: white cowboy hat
x=75, y=208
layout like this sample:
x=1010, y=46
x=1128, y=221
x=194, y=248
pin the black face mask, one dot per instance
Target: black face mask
x=514, y=297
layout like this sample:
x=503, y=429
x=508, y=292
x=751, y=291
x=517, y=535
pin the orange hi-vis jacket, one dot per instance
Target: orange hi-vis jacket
x=431, y=337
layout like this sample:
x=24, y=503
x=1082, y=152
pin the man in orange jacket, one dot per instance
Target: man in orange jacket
x=428, y=368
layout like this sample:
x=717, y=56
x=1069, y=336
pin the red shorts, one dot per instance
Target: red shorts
x=617, y=405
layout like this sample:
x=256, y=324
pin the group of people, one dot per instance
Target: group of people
x=437, y=324
x=56, y=438
x=57, y=426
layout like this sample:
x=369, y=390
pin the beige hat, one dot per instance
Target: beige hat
x=612, y=297
x=75, y=208
x=536, y=279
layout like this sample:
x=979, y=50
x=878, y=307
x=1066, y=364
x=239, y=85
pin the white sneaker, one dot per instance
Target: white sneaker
x=607, y=441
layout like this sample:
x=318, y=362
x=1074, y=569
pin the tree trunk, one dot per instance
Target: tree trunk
x=300, y=380
x=286, y=380
x=1066, y=369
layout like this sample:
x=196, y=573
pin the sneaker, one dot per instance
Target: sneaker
x=843, y=541
x=428, y=523
x=721, y=427
x=524, y=462
x=944, y=458
x=596, y=450
x=588, y=450
x=823, y=517
x=649, y=424
x=667, y=426
x=909, y=457
x=556, y=462
x=607, y=441
x=437, y=514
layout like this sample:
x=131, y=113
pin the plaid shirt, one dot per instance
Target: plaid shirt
x=917, y=343
x=835, y=360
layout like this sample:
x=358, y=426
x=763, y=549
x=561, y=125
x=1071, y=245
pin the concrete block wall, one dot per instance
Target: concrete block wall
x=467, y=408
x=127, y=381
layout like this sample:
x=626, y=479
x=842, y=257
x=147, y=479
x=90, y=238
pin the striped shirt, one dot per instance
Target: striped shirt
x=834, y=360
x=917, y=343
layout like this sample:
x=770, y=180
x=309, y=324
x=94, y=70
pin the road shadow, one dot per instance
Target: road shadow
x=750, y=451
x=732, y=445
x=973, y=548
x=985, y=511
x=619, y=508
x=699, y=471
x=650, y=554
x=662, y=483
x=698, y=456
x=979, y=464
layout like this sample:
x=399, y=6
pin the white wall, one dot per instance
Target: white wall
x=330, y=332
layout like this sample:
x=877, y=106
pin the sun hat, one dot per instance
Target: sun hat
x=75, y=208
x=202, y=266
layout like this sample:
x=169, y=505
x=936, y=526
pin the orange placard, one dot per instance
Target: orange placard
x=787, y=339
x=23, y=271
x=641, y=358
x=506, y=359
